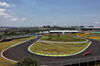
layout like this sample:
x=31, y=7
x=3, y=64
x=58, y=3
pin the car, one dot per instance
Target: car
x=88, y=53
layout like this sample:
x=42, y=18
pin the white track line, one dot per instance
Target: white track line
x=32, y=45
x=60, y=56
x=9, y=48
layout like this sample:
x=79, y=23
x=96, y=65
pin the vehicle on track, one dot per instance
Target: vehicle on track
x=88, y=53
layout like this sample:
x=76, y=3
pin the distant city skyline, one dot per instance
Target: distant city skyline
x=30, y=13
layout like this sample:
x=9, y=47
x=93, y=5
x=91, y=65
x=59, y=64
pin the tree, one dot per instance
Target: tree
x=48, y=26
x=12, y=33
x=28, y=62
x=5, y=33
x=44, y=26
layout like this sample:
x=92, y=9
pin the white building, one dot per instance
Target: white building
x=64, y=31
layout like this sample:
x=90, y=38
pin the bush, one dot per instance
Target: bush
x=28, y=62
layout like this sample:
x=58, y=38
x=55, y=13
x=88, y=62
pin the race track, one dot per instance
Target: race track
x=20, y=51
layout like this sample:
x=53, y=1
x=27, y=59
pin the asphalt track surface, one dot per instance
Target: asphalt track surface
x=20, y=51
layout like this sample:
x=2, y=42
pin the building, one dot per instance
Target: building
x=63, y=31
x=89, y=29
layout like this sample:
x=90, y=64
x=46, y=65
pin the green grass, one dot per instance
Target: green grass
x=65, y=38
x=5, y=45
x=56, y=48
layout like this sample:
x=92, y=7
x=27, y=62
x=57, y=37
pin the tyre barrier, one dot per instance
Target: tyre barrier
x=9, y=38
x=56, y=55
x=5, y=40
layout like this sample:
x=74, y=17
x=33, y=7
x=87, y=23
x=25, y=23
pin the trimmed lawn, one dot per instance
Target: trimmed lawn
x=64, y=38
x=5, y=45
x=56, y=48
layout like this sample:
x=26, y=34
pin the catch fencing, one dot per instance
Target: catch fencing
x=71, y=62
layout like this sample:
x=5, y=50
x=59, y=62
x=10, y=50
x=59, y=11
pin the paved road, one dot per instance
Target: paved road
x=20, y=51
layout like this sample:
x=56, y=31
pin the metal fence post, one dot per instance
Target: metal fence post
x=70, y=63
x=87, y=62
x=50, y=63
x=95, y=61
x=61, y=62
x=79, y=61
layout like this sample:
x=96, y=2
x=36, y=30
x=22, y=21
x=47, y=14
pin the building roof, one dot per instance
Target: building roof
x=64, y=31
x=91, y=27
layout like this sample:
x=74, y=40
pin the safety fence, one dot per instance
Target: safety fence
x=9, y=38
x=77, y=61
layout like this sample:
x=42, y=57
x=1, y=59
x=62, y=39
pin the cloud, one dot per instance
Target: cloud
x=64, y=23
x=54, y=23
x=4, y=4
x=17, y=18
x=14, y=5
x=24, y=19
x=14, y=19
x=9, y=10
x=5, y=15
x=96, y=22
x=1, y=10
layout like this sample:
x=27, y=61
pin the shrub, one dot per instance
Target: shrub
x=28, y=62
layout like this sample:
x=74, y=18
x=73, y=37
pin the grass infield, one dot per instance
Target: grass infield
x=64, y=38
x=56, y=48
x=94, y=36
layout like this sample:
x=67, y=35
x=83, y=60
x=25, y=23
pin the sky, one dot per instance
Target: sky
x=30, y=13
